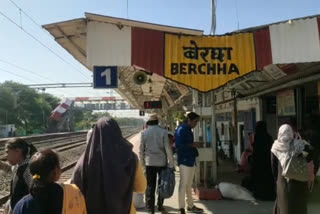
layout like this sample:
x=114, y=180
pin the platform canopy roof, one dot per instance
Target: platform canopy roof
x=287, y=55
x=72, y=35
x=251, y=61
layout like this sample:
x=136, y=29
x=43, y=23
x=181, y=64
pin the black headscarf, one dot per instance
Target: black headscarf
x=106, y=170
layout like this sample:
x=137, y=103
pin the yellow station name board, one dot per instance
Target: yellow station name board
x=208, y=62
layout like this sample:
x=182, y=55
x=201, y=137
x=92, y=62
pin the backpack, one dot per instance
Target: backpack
x=167, y=183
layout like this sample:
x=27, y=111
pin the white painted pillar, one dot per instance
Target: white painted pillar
x=196, y=135
x=195, y=105
x=213, y=137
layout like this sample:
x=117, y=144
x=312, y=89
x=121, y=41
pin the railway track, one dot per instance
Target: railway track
x=68, y=170
x=42, y=144
x=60, y=148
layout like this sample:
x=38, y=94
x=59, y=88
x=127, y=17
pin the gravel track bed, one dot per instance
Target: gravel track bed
x=5, y=183
x=70, y=156
x=49, y=142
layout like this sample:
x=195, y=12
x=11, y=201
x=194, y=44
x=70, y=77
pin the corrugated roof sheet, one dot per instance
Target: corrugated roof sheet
x=295, y=42
x=148, y=49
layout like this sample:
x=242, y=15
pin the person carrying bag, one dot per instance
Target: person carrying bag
x=291, y=173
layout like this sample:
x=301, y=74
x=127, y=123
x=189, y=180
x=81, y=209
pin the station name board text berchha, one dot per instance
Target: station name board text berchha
x=219, y=54
x=205, y=63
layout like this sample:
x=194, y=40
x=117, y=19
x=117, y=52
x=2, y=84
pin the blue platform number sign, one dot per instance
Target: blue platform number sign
x=105, y=77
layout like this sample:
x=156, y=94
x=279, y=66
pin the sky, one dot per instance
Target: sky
x=40, y=65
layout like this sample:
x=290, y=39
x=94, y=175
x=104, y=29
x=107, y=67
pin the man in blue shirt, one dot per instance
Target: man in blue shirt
x=187, y=153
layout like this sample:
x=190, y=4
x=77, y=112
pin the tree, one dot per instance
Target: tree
x=25, y=107
x=6, y=104
x=124, y=121
x=84, y=119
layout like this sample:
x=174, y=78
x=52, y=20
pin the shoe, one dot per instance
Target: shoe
x=161, y=208
x=195, y=209
x=182, y=211
x=150, y=210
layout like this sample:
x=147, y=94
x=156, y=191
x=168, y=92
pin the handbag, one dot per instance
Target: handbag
x=167, y=183
x=296, y=166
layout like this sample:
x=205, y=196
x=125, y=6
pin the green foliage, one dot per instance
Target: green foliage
x=25, y=107
x=124, y=121
x=83, y=119
x=178, y=116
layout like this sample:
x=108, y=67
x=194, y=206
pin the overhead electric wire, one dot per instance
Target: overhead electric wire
x=41, y=43
x=12, y=73
x=32, y=20
x=39, y=25
x=26, y=70
x=17, y=75
x=25, y=13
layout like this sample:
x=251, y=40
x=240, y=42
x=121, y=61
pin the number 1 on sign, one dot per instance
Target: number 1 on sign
x=107, y=74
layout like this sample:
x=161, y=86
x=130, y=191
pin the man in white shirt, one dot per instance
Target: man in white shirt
x=155, y=154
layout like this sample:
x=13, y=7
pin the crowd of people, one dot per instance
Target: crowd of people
x=106, y=175
x=109, y=172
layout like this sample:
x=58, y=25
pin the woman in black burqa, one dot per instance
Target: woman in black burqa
x=105, y=173
x=261, y=172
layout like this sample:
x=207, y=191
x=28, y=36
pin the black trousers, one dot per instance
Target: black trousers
x=151, y=174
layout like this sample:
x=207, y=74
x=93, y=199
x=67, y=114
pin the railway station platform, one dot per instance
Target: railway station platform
x=226, y=173
x=224, y=206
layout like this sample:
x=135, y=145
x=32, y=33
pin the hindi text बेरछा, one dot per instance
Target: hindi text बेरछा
x=220, y=54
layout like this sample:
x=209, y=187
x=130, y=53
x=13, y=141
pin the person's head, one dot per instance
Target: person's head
x=153, y=120
x=192, y=119
x=18, y=150
x=285, y=134
x=45, y=168
x=261, y=127
x=108, y=128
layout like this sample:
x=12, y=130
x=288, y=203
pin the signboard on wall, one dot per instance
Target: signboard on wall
x=286, y=103
x=208, y=62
